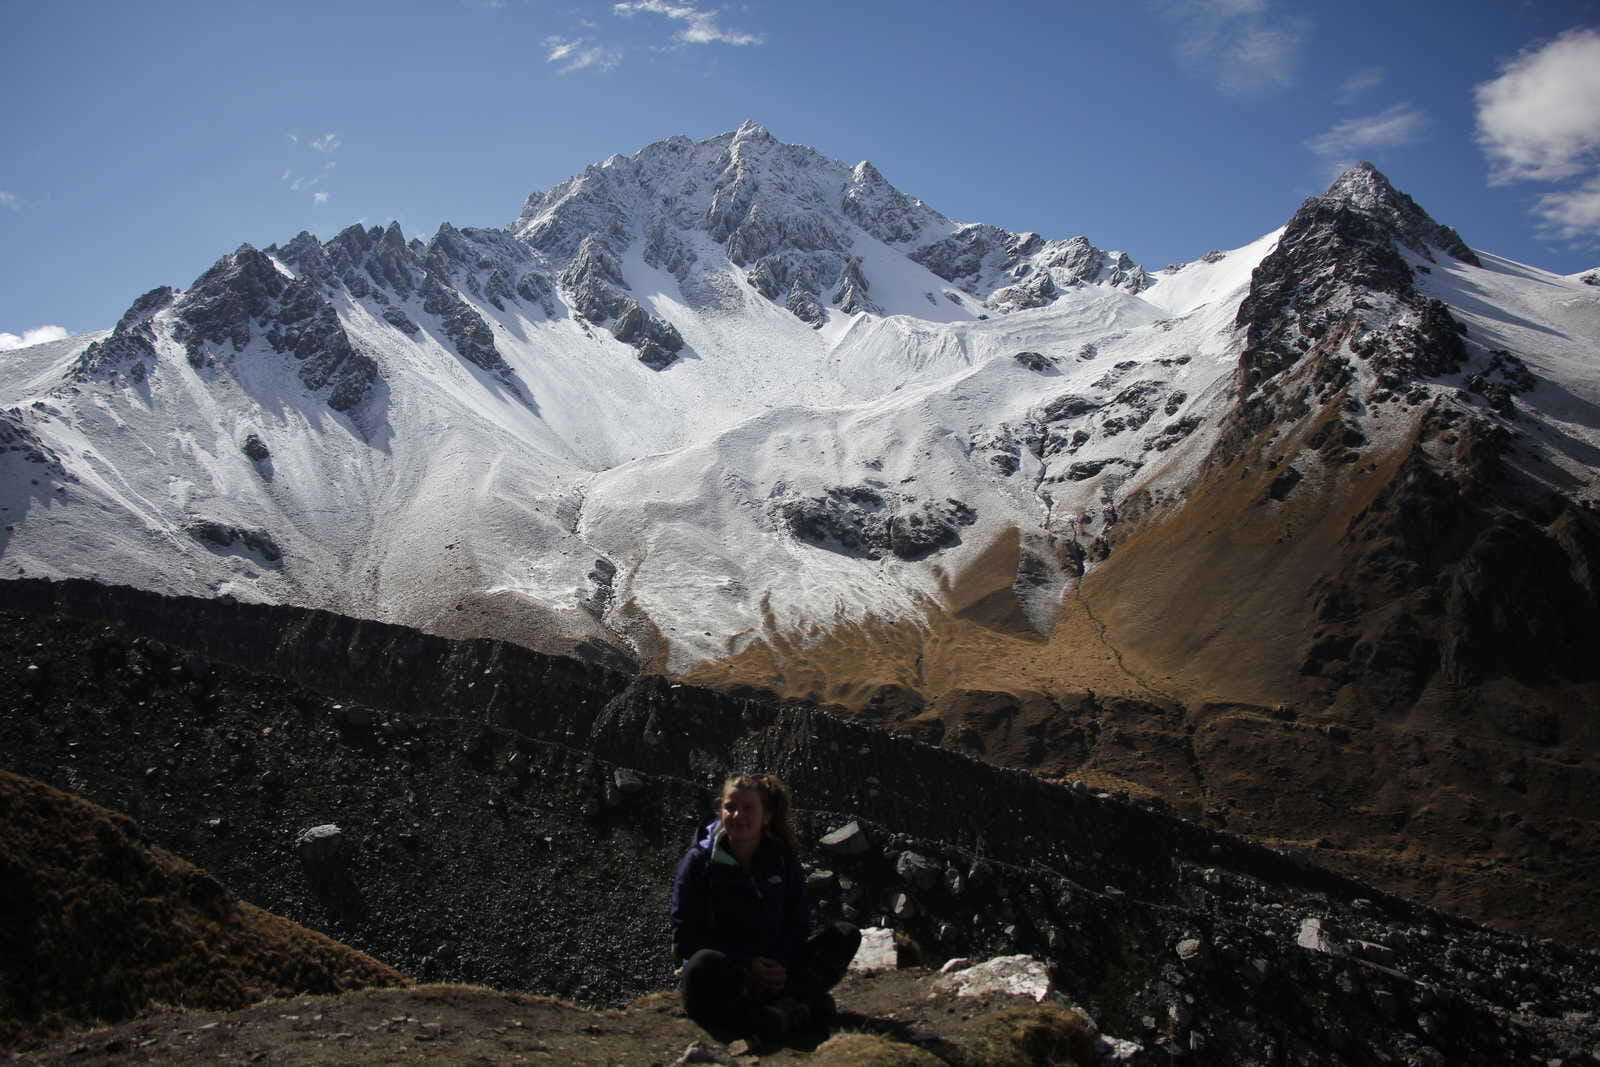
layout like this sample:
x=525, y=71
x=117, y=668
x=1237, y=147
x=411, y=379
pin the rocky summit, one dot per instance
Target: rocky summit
x=1294, y=542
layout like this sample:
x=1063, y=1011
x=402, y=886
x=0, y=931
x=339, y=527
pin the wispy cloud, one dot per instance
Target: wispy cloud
x=1359, y=84
x=1539, y=120
x=10, y=200
x=36, y=336
x=1243, y=45
x=304, y=181
x=699, y=27
x=1397, y=127
x=580, y=53
x=1572, y=214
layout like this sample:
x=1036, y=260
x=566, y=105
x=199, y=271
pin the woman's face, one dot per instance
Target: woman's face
x=743, y=816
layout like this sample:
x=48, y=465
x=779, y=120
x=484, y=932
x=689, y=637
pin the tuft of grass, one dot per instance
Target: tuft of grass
x=870, y=1050
x=1024, y=1036
x=98, y=926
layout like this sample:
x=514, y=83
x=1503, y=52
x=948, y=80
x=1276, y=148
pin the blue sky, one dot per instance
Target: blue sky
x=144, y=140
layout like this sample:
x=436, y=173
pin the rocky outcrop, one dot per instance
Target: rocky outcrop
x=131, y=347
x=223, y=535
x=242, y=296
x=17, y=438
x=471, y=336
x=1011, y=271
x=867, y=521
x=1337, y=289
x=594, y=283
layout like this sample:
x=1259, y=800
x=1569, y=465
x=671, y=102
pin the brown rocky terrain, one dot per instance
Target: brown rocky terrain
x=511, y=820
x=894, y=1017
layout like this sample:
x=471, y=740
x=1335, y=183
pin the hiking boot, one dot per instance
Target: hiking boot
x=776, y=1021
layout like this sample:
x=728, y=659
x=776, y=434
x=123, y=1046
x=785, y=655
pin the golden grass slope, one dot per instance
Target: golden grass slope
x=98, y=926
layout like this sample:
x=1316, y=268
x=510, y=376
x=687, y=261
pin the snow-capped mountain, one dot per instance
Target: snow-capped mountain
x=731, y=407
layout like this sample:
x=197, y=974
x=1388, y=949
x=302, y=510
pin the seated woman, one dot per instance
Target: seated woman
x=741, y=920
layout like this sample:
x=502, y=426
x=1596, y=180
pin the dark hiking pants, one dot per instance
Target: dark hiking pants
x=714, y=985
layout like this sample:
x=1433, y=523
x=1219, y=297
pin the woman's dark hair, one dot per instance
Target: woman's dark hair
x=775, y=799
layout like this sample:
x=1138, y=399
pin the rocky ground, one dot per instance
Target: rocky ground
x=466, y=1024
x=512, y=820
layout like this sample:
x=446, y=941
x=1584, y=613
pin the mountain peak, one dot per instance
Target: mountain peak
x=751, y=130
x=1363, y=186
x=1366, y=190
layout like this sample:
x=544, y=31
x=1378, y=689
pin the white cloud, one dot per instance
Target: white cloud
x=1400, y=125
x=1242, y=44
x=294, y=136
x=1540, y=119
x=1572, y=214
x=328, y=142
x=320, y=198
x=10, y=200
x=1359, y=84
x=36, y=336
x=700, y=27
x=580, y=53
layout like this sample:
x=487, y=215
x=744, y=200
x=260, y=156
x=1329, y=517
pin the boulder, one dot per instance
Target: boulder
x=1017, y=976
x=848, y=840
x=322, y=848
x=877, y=951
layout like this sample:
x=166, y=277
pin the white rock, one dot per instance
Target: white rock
x=1017, y=976
x=1312, y=936
x=877, y=951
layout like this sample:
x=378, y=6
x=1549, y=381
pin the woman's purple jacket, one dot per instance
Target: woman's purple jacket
x=717, y=904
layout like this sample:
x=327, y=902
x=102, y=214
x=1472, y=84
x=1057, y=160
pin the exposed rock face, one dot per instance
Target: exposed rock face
x=871, y=522
x=465, y=327
x=1334, y=311
x=980, y=259
x=131, y=346
x=223, y=535
x=1180, y=937
x=18, y=438
x=242, y=296
x=1367, y=190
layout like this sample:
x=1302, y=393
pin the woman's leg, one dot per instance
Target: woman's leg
x=713, y=988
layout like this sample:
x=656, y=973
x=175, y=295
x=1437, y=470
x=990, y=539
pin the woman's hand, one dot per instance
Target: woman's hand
x=768, y=976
